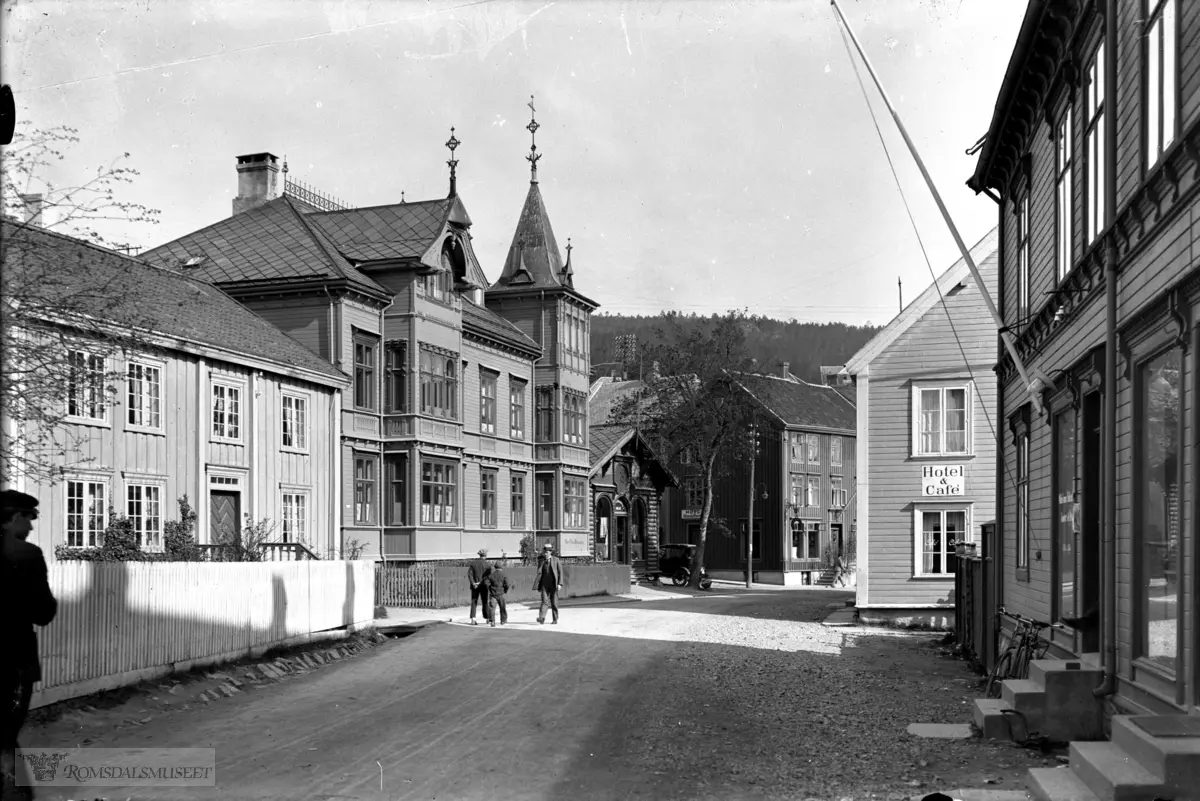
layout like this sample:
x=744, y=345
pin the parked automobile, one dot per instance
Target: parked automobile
x=675, y=560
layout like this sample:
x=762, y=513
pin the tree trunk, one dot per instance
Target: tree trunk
x=698, y=559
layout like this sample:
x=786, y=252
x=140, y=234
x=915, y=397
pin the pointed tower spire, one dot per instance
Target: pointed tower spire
x=532, y=127
x=453, y=144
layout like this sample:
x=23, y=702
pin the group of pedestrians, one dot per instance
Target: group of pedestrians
x=489, y=585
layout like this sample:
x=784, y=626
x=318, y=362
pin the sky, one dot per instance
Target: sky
x=702, y=156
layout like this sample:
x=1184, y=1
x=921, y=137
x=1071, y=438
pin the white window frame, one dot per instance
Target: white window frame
x=919, y=511
x=446, y=487
x=226, y=384
x=517, y=404
x=300, y=433
x=159, y=489
x=92, y=384
x=293, y=521
x=837, y=493
x=144, y=403
x=1094, y=214
x=574, y=504
x=1064, y=192
x=839, y=450
x=489, y=513
x=812, y=450
x=812, y=491
x=487, y=403
x=1161, y=85
x=92, y=536
x=969, y=407
x=517, y=519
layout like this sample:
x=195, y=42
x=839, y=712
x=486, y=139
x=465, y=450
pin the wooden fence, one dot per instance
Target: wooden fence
x=123, y=622
x=431, y=586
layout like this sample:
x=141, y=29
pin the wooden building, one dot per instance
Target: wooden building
x=1093, y=155
x=221, y=407
x=466, y=425
x=926, y=443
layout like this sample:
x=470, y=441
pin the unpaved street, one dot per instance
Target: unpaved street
x=727, y=695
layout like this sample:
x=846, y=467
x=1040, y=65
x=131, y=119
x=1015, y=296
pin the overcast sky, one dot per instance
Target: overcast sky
x=701, y=155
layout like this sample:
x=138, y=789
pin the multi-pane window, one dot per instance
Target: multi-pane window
x=1023, y=500
x=545, y=491
x=837, y=493
x=798, y=488
x=226, y=411
x=294, y=418
x=1023, y=255
x=144, y=391
x=574, y=497
x=439, y=384
x=487, y=498
x=835, y=451
x=1064, y=152
x=87, y=513
x=517, y=508
x=574, y=337
x=796, y=446
x=143, y=506
x=544, y=414
x=85, y=385
x=937, y=530
x=395, y=506
x=1161, y=46
x=813, y=495
x=806, y=539
x=295, y=517
x=941, y=420
x=693, y=492
x=364, y=372
x=574, y=414
x=439, y=285
x=1093, y=147
x=395, y=385
x=366, y=471
x=814, y=449
x=516, y=408
x=439, y=486
x=487, y=402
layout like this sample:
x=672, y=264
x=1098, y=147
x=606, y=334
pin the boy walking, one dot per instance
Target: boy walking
x=497, y=584
x=477, y=573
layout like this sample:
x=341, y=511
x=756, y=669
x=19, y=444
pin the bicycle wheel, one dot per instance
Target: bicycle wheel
x=1020, y=661
x=999, y=674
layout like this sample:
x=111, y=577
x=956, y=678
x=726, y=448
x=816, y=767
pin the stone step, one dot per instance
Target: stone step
x=1063, y=671
x=989, y=718
x=1027, y=697
x=1112, y=774
x=1174, y=760
x=1058, y=784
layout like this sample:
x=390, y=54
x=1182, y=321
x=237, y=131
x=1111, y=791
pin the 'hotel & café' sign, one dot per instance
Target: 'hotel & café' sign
x=938, y=480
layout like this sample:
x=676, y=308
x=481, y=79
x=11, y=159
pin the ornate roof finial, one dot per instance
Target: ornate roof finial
x=285, y=163
x=401, y=195
x=567, y=272
x=453, y=144
x=532, y=127
x=569, y=246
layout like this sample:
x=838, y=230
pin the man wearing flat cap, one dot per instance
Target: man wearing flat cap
x=477, y=573
x=548, y=582
x=27, y=601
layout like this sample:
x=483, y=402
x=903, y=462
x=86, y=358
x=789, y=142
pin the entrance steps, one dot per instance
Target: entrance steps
x=1134, y=766
x=827, y=577
x=1055, y=702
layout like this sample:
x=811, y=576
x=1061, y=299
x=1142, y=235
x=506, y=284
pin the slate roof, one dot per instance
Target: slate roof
x=167, y=302
x=801, y=404
x=605, y=439
x=533, y=261
x=274, y=241
x=486, y=322
x=604, y=395
x=398, y=231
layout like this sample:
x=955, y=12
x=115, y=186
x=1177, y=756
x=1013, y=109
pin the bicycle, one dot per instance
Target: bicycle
x=1024, y=646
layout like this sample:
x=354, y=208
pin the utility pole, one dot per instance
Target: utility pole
x=750, y=508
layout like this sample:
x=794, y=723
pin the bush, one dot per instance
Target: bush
x=119, y=542
x=179, y=539
x=529, y=549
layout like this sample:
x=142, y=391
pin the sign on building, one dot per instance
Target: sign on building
x=938, y=480
x=690, y=514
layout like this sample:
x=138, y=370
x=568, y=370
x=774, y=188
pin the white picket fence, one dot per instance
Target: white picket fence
x=119, y=623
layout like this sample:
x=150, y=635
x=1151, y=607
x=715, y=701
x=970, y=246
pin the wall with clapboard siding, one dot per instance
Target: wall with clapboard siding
x=305, y=319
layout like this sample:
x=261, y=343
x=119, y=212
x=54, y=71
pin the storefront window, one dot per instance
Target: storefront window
x=1067, y=512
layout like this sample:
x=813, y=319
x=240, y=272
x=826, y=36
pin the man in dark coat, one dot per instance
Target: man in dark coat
x=548, y=582
x=477, y=573
x=497, y=584
x=27, y=601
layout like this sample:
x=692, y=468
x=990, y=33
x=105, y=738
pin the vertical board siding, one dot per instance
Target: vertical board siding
x=117, y=622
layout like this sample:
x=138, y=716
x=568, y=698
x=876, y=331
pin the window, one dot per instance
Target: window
x=574, y=493
x=516, y=407
x=1065, y=513
x=1066, y=211
x=517, y=513
x=545, y=490
x=1093, y=147
x=365, y=471
x=295, y=422
x=439, y=384
x=144, y=390
x=837, y=493
x=295, y=517
x=396, y=502
x=1160, y=78
x=439, y=486
x=574, y=412
x=85, y=386
x=814, y=449
x=835, y=451
x=487, y=402
x=756, y=546
x=688, y=455
x=936, y=530
x=573, y=334
x=544, y=431
x=87, y=513
x=439, y=286
x=1023, y=256
x=1158, y=472
x=144, y=509
x=487, y=498
x=941, y=420
x=813, y=497
x=798, y=489
x=693, y=492
x=395, y=385
x=806, y=540
x=364, y=372
x=1023, y=500
x=226, y=411
x=796, y=446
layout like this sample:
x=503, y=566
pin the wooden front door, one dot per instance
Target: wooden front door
x=224, y=512
x=1087, y=602
x=835, y=534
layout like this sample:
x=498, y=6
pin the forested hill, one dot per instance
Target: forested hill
x=804, y=346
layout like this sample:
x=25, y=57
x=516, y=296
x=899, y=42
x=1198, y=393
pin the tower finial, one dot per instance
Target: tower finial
x=453, y=144
x=532, y=127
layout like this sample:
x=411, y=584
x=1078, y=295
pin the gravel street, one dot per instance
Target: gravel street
x=729, y=694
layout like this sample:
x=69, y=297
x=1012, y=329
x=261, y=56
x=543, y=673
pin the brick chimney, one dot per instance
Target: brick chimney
x=784, y=372
x=258, y=181
x=33, y=208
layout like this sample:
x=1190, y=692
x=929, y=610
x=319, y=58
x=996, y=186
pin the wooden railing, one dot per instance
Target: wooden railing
x=267, y=552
